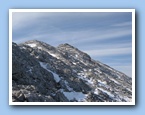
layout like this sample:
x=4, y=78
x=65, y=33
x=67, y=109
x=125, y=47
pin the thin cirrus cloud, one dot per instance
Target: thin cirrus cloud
x=124, y=24
x=104, y=36
x=109, y=52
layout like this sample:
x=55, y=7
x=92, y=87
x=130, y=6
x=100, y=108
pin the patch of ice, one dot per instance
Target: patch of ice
x=32, y=45
x=56, y=76
x=43, y=65
x=79, y=96
x=68, y=87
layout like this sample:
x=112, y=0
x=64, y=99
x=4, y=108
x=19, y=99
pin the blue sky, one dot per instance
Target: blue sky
x=105, y=36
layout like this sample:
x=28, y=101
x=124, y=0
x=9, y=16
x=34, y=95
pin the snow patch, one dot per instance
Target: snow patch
x=96, y=91
x=52, y=54
x=22, y=48
x=56, y=76
x=90, y=70
x=83, y=76
x=84, y=70
x=68, y=87
x=90, y=81
x=74, y=63
x=103, y=82
x=79, y=96
x=114, y=80
x=76, y=55
x=32, y=45
x=39, y=47
x=105, y=91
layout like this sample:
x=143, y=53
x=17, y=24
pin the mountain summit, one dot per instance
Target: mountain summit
x=43, y=73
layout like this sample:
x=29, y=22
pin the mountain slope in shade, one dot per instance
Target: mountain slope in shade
x=43, y=73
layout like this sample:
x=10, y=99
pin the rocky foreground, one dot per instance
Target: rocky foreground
x=43, y=73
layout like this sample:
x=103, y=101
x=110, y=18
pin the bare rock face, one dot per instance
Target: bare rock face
x=43, y=73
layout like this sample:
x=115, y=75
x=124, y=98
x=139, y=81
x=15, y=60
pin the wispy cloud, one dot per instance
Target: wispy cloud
x=123, y=24
x=109, y=52
x=77, y=37
x=102, y=35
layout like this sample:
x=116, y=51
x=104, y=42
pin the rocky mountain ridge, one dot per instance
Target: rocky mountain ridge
x=43, y=73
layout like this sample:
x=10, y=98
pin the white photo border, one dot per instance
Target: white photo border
x=71, y=10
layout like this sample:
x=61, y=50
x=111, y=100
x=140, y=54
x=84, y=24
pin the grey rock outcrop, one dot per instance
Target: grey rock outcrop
x=43, y=73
